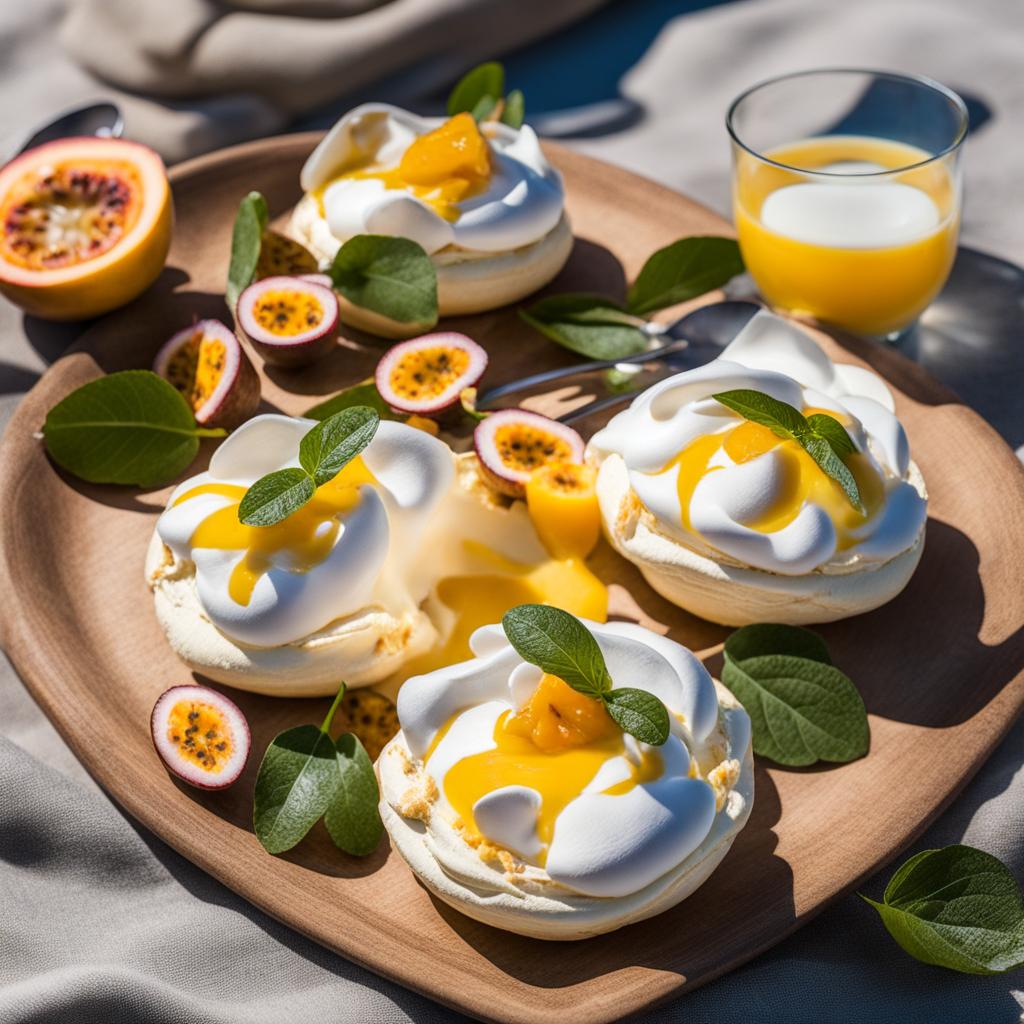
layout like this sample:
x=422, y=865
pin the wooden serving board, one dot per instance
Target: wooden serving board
x=941, y=668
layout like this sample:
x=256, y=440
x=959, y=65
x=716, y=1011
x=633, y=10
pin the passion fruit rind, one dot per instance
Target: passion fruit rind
x=513, y=443
x=425, y=376
x=290, y=321
x=201, y=736
x=208, y=365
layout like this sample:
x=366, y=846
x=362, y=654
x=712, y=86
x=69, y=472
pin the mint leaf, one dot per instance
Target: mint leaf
x=779, y=417
x=295, y=785
x=130, y=427
x=485, y=81
x=639, y=713
x=352, y=818
x=363, y=393
x=829, y=428
x=831, y=464
x=391, y=276
x=684, y=270
x=558, y=643
x=801, y=711
x=589, y=325
x=774, y=638
x=957, y=907
x=246, y=242
x=333, y=443
x=788, y=423
x=515, y=109
x=275, y=497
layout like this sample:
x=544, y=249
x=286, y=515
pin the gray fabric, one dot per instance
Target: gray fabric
x=100, y=922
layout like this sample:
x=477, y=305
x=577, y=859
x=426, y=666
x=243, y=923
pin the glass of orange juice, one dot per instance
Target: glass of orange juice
x=847, y=194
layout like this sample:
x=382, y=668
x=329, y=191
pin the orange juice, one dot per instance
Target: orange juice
x=853, y=246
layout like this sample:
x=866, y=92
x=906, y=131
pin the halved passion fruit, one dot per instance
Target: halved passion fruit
x=206, y=363
x=281, y=256
x=425, y=376
x=513, y=443
x=290, y=321
x=562, y=500
x=200, y=735
x=85, y=226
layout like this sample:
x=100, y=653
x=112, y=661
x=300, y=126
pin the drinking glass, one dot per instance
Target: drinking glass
x=847, y=193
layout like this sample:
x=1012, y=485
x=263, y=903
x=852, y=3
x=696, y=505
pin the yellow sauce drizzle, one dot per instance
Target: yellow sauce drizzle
x=555, y=745
x=441, y=168
x=307, y=535
x=802, y=479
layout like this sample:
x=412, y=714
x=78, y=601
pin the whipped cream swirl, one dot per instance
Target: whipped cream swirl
x=773, y=356
x=521, y=203
x=372, y=560
x=603, y=844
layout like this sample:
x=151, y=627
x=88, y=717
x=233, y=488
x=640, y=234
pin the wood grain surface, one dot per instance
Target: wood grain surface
x=941, y=668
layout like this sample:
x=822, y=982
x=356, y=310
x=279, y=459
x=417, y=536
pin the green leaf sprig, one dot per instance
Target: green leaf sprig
x=562, y=646
x=802, y=708
x=130, y=427
x=390, y=276
x=481, y=92
x=957, y=907
x=822, y=436
x=246, y=242
x=600, y=328
x=306, y=776
x=324, y=452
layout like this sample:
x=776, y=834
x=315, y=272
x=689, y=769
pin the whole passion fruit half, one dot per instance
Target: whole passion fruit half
x=208, y=365
x=562, y=500
x=290, y=321
x=85, y=226
x=425, y=376
x=513, y=443
x=200, y=735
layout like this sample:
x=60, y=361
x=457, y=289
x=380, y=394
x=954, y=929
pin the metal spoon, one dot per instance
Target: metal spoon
x=691, y=341
x=101, y=119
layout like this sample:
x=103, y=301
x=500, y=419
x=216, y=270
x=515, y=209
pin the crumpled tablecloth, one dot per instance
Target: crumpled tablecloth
x=99, y=921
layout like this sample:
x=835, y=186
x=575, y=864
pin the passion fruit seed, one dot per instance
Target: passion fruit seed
x=287, y=313
x=68, y=214
x=281, y=255
x=371, y=716
x=523, y=448
x=196, y=368
x=425, y=373
x=200, y=734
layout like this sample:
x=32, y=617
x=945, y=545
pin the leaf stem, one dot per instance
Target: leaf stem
x=211, y=432
x=325, y=728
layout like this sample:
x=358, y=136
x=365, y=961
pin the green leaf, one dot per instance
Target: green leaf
x=391, y=276
x=515, y=109
x=639, y=713
x=684, y=270
x=774, y=638
x=296, y=784
x=801, y=711
x=363, y=393
x=246, y=241
x=560, y=644
x=779, y=417
x=483, y=81
x=352, y=818
x=957, y=907
x=275, y=497
x=832, y=465
x=130, y=427
x=333, y=443
x=485, y=106
x=832, y=431
x=589, y=325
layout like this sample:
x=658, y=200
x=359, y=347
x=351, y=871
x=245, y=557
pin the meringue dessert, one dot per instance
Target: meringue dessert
x=481, y=199
x=733, y=523
x=518, y=800
x=390, y=566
